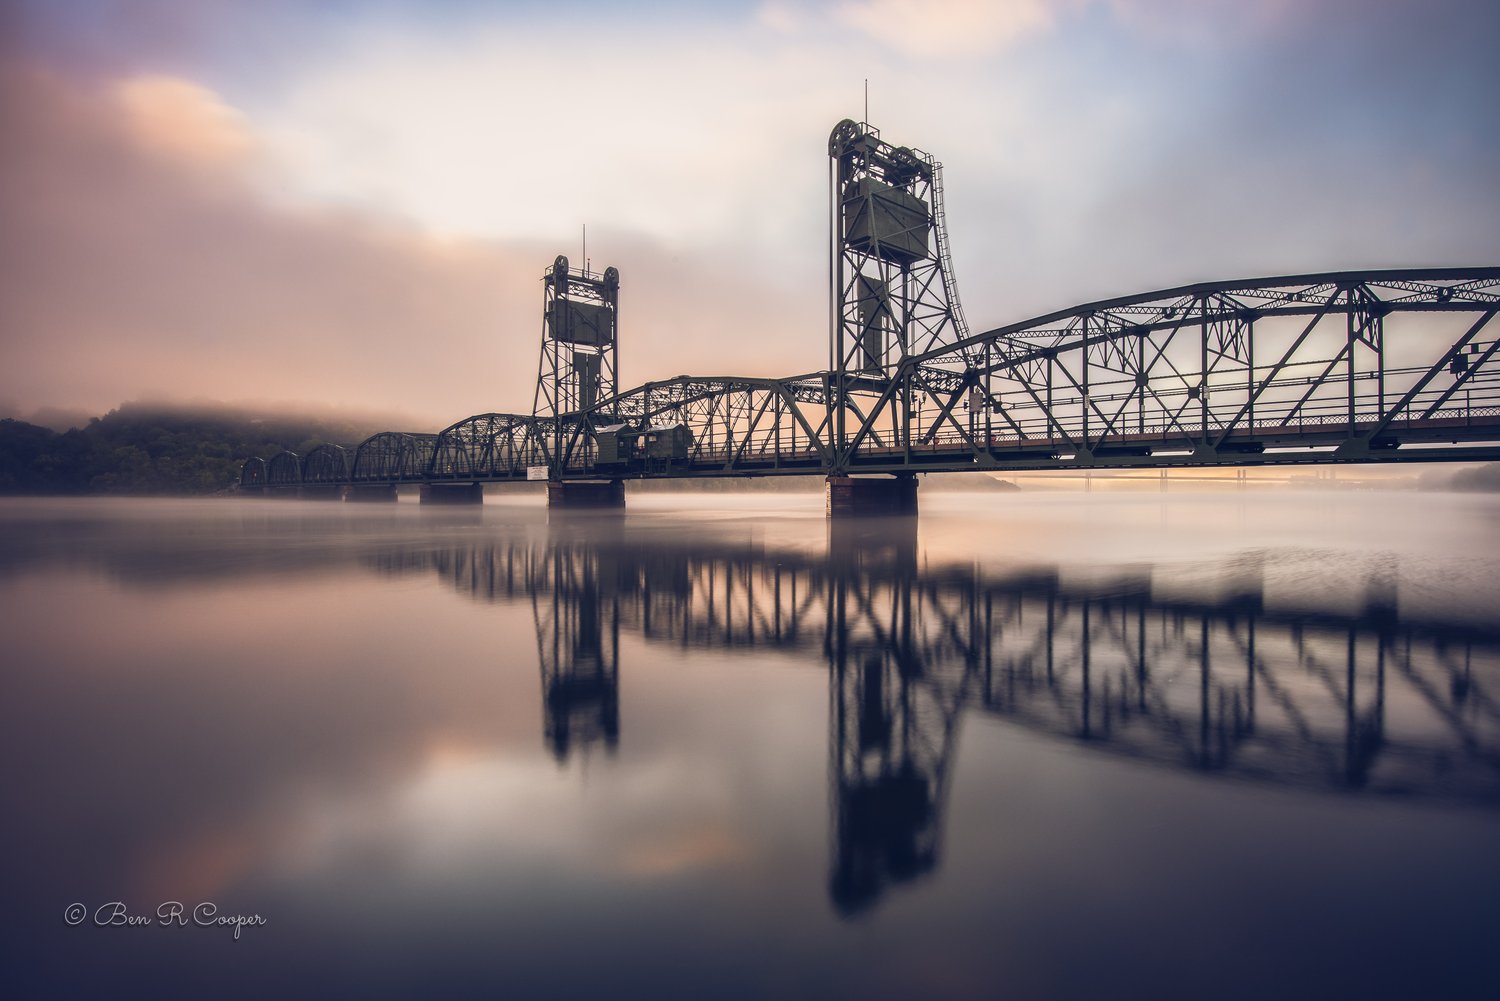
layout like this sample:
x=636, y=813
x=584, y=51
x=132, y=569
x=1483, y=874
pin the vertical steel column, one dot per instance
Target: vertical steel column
x=1203, y=370
x=1350, y=326
x=1085, y=352
x=1250, y=371
x=1140, y=380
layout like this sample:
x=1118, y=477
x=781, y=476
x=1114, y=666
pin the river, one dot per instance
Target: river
x=1242, y=744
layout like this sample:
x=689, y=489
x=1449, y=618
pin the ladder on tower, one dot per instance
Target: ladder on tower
x=945, y=257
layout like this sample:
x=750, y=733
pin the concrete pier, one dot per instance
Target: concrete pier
x=452, y=493
x=363, y=493
x=863, y=496
x=581, y=495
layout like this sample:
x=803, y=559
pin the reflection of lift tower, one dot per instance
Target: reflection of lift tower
x=580, y=322
x=893, y=287
x=893, y=729
x=578, y=643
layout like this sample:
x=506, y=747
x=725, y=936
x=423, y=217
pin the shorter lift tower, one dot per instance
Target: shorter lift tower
x=580, y=346
x=892, y=282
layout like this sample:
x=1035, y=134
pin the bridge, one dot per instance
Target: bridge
x=1352, y=366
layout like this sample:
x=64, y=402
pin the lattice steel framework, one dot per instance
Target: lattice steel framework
x=891, y=278
x=1303, y=368
x=580, y=343
x=284, y=470
x=499, y=446
x=253, y=474
x=393, y=456
x=326, y=465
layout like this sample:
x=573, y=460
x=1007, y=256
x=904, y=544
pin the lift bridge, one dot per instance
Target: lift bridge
x=1354, y=366
x=1224, y=678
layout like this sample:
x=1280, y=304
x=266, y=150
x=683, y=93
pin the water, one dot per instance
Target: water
x=1040, y=745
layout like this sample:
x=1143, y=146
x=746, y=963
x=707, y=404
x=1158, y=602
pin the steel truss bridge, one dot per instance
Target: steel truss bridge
x=1223, y=683
x=1355, y=366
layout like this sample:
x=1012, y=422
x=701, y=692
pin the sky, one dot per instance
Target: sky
x=351, y=204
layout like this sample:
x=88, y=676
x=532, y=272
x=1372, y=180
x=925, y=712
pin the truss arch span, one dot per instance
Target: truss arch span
x=494, y=446
x=1359, y=364
x=392, y=456
x=284, y=470
x=253, y=472
x=326, y=465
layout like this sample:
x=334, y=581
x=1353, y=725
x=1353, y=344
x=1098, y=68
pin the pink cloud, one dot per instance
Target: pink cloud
x=144, y=256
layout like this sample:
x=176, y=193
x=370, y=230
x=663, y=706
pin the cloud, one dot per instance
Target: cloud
x=930, y=28
x=183, y=119
x=146, y=254
x=371, y=228
x=516, y=130
x=139, y=259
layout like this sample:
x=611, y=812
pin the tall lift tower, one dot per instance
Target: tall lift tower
x=893, y=293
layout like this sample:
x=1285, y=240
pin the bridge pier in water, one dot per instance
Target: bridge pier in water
x=866, y=496
x=452, y=493
x=581, y=495
x=370, y=493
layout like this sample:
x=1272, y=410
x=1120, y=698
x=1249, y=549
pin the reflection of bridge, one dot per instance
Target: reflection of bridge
x=1345, y=367
x=1366, y=702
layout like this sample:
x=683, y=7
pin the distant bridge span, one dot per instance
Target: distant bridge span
x=1354, y=366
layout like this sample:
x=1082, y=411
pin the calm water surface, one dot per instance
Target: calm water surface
x=1237, y=745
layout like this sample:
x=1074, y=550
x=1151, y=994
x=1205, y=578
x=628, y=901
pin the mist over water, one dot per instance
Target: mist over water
x=1040, y=744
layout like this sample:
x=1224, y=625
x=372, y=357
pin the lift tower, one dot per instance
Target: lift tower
x=580, y=346
x=893, y=293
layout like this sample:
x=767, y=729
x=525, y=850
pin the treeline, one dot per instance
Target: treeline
x=149, y=449
x=144, y=449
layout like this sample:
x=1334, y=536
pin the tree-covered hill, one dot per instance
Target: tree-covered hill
x=145, y=449
x=150, y=449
